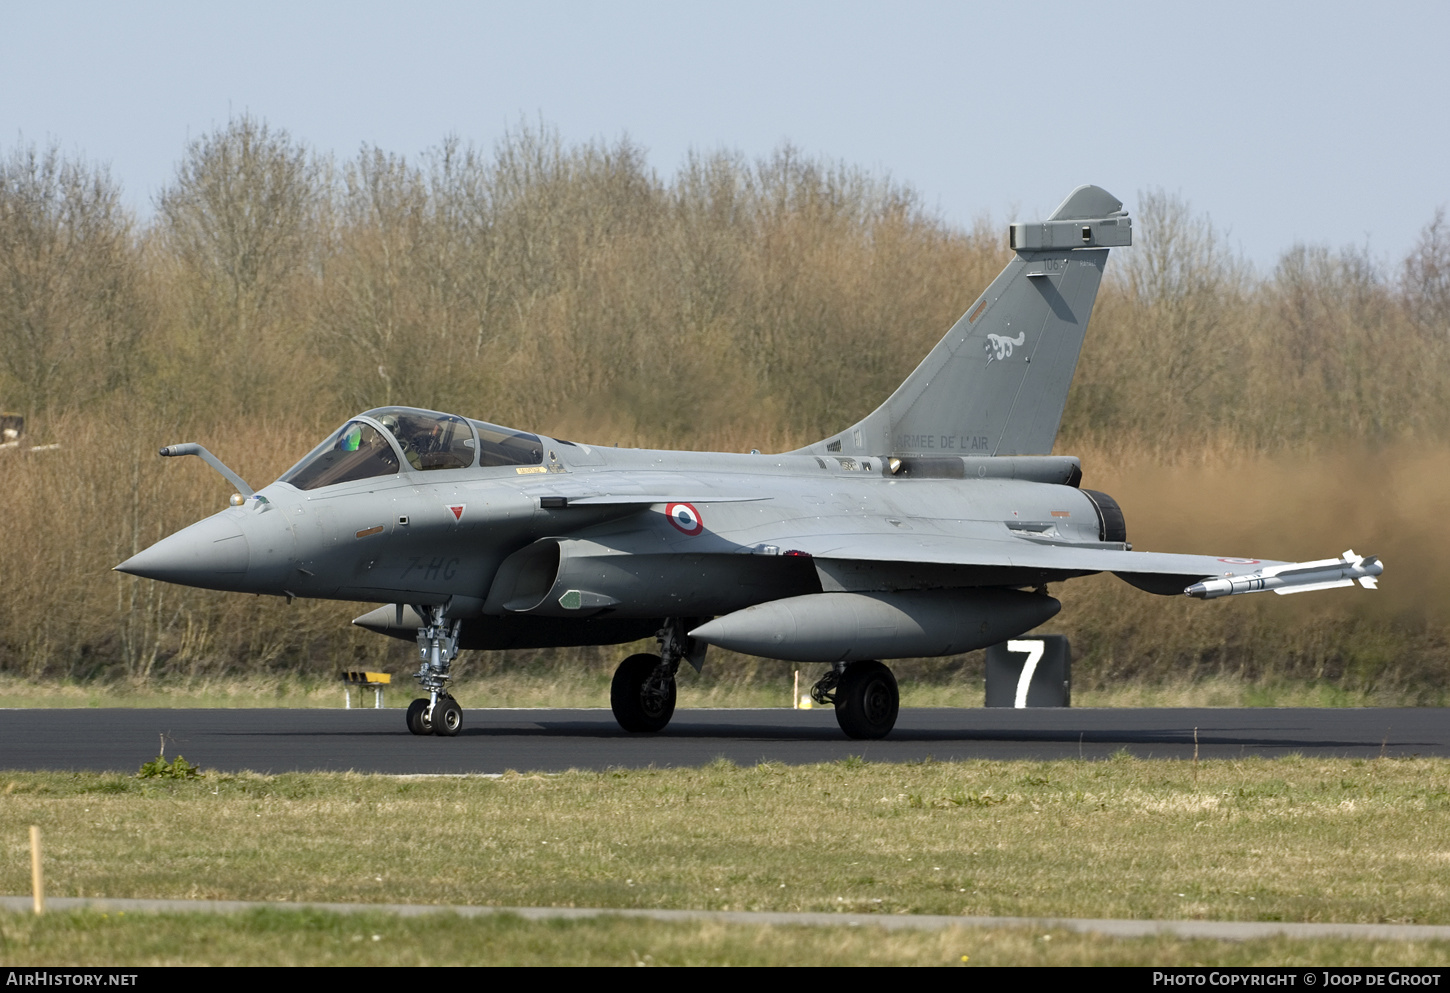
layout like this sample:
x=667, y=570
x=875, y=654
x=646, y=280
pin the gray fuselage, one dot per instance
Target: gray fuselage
x=427, y=537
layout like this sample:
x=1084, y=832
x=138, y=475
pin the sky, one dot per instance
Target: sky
x=1324, y=123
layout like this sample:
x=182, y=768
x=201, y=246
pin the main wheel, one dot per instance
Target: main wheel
x=867, y=700
x=642, y=699
x=418, y=721
x=447, y=717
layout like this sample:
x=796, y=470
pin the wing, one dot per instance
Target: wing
x=863, y=552
x=887, y=557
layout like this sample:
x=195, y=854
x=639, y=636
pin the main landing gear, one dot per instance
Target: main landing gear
x=864, y=695
x=642, y=695
x=437, y=713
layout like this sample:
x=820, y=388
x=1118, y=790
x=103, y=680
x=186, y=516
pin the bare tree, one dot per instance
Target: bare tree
x=1426, y=278
x=1168, y=341
x=239, y=217
x=69, y=310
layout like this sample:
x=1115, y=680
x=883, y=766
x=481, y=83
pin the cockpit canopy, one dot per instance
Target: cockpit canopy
x=429, y=440
x=380, y=441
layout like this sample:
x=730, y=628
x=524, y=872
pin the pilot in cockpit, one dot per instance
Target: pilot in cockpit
x=424, y=441
x=407, y=437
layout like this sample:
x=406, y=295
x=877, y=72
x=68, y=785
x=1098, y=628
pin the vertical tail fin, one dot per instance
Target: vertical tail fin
x=997, y=383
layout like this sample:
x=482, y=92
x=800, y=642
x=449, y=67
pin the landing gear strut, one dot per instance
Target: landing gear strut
x=865, y=697
x=437, y=713
x=642, y=695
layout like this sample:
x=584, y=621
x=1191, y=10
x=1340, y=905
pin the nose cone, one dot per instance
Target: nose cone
x=212, y=554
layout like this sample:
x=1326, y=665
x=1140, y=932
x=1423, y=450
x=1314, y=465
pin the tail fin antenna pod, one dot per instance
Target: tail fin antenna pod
x=997, y=383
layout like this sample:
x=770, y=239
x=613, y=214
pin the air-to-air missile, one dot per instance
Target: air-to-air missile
x=1295, y=577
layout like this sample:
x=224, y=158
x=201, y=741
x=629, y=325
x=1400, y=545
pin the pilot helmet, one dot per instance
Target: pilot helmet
x=389, y=421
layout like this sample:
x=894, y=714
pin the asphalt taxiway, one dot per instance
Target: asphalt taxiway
x=494, y=741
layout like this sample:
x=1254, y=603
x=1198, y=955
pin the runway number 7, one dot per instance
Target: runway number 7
x=1033, y=649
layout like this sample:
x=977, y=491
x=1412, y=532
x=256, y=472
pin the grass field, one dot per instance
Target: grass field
x=1289, y=840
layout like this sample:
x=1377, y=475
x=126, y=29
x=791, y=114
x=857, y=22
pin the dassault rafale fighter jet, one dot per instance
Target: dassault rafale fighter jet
x=934, y=526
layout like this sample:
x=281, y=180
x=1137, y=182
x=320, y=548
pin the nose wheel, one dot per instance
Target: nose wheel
x=447, y=717
x=419, y=720
x=443, y=718
x=437, y=713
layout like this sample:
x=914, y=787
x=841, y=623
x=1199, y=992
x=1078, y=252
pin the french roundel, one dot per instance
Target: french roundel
x=685, y=518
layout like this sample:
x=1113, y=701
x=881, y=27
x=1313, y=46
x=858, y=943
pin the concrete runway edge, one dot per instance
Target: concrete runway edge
x=1213, y=930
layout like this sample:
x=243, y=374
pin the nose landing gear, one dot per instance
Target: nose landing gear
x=438, y=713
